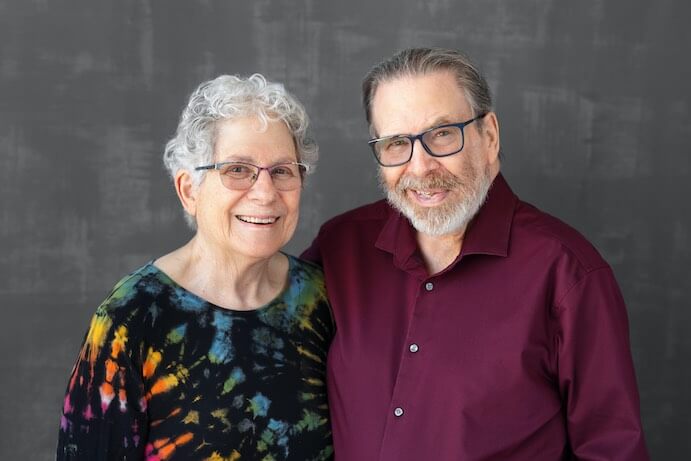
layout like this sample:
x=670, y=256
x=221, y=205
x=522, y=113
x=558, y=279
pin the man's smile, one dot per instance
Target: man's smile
x=427, y=197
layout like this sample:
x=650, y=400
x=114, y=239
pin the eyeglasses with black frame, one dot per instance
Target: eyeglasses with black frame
x=438, y=141
x=285, y=176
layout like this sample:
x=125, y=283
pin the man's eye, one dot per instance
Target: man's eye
x=442, y=132
x=396, y=143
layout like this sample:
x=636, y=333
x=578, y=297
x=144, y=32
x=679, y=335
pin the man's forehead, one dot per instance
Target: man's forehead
x=412, y=103
x=407, y=123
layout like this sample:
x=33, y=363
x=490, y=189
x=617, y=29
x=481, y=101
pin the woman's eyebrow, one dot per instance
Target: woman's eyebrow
x=248, y=159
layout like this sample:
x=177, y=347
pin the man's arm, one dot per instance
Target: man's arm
x=596, y=374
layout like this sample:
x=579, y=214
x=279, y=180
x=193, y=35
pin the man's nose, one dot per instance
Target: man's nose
x=421, y=162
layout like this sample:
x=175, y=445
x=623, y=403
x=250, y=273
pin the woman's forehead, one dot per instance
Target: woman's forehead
x=248, y=139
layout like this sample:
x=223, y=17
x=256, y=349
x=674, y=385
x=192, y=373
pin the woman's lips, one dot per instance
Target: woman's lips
x=257, y=219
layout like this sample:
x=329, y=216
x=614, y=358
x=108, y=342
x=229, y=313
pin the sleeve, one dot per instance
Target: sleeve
x=104, y=411
x=313, y=252
x=596, y=374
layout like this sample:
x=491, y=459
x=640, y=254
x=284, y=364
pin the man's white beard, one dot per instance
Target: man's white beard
x=450, y=216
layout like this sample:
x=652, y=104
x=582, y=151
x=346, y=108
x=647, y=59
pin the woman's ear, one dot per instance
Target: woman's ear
x=187, y=191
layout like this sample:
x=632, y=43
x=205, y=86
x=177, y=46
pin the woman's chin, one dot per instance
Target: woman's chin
x=255, y=247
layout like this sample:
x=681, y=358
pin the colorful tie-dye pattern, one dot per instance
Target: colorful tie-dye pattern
x=165, y=375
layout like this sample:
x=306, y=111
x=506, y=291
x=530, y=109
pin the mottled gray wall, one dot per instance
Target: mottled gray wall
x=593, y=98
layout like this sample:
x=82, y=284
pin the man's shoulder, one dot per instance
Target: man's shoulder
x=371, y=213
x=552, y=234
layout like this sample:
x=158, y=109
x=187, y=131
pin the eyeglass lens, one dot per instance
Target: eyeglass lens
x=445, y=140
x=241, y=176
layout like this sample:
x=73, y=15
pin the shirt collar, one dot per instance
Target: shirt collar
x=488, y=232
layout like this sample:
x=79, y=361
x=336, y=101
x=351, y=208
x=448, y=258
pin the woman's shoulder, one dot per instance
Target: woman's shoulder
x=133, y=292
x=309, y=268
x=303, y=302
x=307, y=285
x=306, y=273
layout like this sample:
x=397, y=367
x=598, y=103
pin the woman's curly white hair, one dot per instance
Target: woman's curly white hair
x=227, y=97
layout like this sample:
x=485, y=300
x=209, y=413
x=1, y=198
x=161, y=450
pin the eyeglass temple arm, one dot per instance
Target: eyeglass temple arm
x=207, y=167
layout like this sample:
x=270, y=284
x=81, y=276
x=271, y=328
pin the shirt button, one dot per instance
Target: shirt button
x=413, y=348
x=398, y=412
x=429, y=286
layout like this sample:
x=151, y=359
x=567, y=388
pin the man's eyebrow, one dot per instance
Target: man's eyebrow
x=442, y=120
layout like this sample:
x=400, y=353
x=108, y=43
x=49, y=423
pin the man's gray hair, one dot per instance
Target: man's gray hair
x=418, y=61
x=228, y=97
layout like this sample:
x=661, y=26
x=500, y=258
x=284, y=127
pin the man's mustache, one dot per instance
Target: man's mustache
x=433, y=180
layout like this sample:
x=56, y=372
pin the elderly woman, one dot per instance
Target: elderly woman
x=216, y=350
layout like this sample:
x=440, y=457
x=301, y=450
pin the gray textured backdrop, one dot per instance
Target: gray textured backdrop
x=595, y=110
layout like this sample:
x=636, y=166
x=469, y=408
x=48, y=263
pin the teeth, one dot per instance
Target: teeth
x=425, y=194
x=253, y=220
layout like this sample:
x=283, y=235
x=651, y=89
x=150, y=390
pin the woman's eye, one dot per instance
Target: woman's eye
x=238, y=170
x=282, y=172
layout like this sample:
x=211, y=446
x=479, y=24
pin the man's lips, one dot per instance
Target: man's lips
x=264, y=220
x=427, y=197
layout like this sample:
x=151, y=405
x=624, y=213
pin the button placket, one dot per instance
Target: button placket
x=413, y=348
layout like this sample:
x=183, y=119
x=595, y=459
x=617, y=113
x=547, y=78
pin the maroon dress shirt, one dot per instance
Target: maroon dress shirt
x=518, y=350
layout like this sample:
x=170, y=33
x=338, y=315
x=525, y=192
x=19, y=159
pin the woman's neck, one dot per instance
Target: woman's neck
x=228, y=280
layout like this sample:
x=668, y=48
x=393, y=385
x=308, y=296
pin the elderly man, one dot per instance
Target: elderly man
x=470, y=325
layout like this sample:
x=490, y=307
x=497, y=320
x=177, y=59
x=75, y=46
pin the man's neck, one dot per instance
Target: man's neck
x=438, y=252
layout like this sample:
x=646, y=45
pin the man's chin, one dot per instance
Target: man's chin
x=435, y=220
x=450, y=216
x=437, y=226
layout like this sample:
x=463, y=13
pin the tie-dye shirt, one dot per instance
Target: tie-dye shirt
x=166, y=375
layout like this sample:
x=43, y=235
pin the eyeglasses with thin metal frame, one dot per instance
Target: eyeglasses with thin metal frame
x=285, y=176
x=439, y=141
